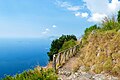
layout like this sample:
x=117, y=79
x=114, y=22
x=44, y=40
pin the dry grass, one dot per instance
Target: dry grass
x=103, y=52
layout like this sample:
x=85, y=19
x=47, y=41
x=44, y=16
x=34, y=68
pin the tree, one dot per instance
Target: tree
x=118, y=17
x=57, y=44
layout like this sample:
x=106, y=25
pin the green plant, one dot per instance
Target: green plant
x=57, y=44
x=118, y=17
x=110, y=24
x=87, y=32
x=35, y=74
x=67, y=45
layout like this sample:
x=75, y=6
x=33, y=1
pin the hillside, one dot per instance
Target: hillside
x=98, y=59
x=99, y=55
x=102, y=52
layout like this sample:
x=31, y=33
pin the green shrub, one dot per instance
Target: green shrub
x=68, y=44
x=34, y=75
x=118, y=17
x=110, y=24
x=87, y=32
x=57, y=44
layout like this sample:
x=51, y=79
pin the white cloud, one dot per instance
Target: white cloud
x=78, y=14
x=46, y=31
x=101, y=8
x=96, y=17
x=74, y=8
x=83, y=15
x=54, y=26
x=114, y=5
x=67, y=6
x=98, y=9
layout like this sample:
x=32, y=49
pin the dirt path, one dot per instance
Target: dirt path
x=67, y=73
x=68, y=68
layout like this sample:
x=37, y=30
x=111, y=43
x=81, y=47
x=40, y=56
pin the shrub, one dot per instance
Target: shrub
x=34, y=75
x=87, y=32
x=110, y=24
x=118, y=17
x=67, y=45
x=57, y=44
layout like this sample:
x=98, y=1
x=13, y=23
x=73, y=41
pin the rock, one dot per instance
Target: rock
x=112, y=78
x=93, y=32
x=82, y=68
x=118, y=30
x=99, y=77
x=68, y=74
x=92, y=68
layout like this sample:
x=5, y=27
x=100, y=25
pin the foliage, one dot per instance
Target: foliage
x=118, y=17
x=88, y=31
x=101, y=45
x=57, y=44
x=67, y=45
x=34, y=75
x=110, y=24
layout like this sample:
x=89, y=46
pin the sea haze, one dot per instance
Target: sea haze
x=17, y=55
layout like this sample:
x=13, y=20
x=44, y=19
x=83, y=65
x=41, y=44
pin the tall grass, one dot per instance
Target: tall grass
x=36, y=74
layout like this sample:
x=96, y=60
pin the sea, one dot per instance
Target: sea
x=18, y=55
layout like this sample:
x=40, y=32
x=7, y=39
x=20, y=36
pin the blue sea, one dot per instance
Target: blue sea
x=17, y=55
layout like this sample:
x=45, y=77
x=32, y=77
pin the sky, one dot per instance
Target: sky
x=46, y=18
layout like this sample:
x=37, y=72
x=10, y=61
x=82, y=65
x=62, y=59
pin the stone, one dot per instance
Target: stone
x=99, y=77
x=82, y=68
x=118, y=30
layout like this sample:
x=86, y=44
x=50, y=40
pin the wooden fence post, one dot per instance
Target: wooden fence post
x=64, y=59
x=54, y=62
x=59, y=59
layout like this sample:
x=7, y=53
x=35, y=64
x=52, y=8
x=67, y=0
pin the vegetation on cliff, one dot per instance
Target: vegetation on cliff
x=36, y=74
x=60, y=44
x=100, y=52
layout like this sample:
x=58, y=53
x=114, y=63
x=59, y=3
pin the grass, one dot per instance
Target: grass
x=36, y=74
x=100, y=50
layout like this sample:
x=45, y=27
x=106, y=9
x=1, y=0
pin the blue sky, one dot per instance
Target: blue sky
x=45, y=18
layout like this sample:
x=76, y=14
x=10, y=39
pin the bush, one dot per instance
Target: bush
x=67, y=45
x=118, y=17
x=87, y=32
x=34, y=75
x=110, y=24
x=57, y=44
